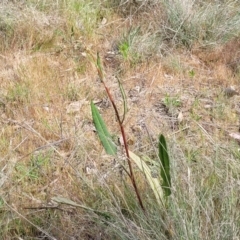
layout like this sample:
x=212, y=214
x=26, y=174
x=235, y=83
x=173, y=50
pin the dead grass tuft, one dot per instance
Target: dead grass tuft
x=223, y=57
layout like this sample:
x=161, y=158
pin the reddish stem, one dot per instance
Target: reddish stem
x=131, y=175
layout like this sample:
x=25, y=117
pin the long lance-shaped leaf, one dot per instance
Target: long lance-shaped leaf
x=165, y=166
x=102, y=131
x=153, y=182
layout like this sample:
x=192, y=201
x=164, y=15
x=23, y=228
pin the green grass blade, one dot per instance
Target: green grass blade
x=102, y=131
x=165, y=166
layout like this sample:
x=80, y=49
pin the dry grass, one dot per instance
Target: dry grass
x=48, y=146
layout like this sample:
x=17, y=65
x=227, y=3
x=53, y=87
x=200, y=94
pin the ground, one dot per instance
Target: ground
x=57, y=182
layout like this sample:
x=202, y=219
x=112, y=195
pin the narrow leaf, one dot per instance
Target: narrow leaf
x=153, y=182
x=124, y=100
x=67, y=201
x=102, y=131
x=165, y=166
x=99, y=65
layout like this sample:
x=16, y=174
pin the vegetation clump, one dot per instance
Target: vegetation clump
x=115, y=122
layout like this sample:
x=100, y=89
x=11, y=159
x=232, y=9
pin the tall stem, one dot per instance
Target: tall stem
x=120, y=122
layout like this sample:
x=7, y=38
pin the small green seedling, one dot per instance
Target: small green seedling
x=171, y=101
x=124, y=49
x=192, y=73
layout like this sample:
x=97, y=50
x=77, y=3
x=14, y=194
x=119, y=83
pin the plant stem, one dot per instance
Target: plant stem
x=120, y=122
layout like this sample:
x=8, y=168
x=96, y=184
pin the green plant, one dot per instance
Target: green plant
x=192, y=73
x=120, y=120
x=158, y=189
x=124, y=49
x=36, y=168
x=19, y=92
x=128, y=47
x=171, y=101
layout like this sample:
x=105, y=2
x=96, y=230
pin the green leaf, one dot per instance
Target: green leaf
x=124, y=100
x=165, y=166
x=102, y=131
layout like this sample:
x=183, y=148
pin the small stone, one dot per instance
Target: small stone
x=230, y=92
